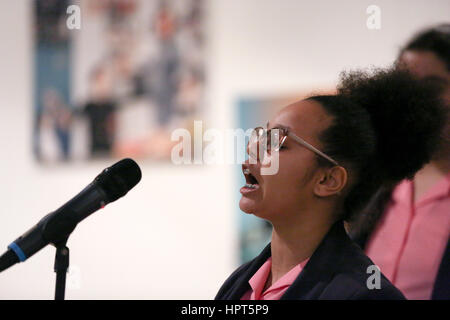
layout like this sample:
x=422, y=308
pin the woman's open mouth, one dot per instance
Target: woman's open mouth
x=251, y=184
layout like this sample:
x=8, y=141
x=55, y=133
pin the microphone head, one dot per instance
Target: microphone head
x=119, y=178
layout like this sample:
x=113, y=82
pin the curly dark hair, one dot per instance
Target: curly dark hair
x=435, y=39
x=386, y=126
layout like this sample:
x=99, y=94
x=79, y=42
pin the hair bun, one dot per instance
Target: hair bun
x=407, y=116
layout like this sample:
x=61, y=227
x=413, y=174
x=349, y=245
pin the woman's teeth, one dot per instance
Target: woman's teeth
x=251, y=182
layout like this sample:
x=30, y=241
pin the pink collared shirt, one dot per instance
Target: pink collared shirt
x=276, y=290
x=409, y=242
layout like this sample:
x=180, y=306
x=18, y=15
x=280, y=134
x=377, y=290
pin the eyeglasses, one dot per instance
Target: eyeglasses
x=273, y=139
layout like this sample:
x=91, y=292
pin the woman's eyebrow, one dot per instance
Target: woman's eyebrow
x=279, y=126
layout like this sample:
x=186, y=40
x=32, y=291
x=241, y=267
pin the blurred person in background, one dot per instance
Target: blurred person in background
x=171, y=79
x=166, y=66
x=100, y=111
x=55, y=126
x=405, y=229
x=334, y=152
x=53, y=120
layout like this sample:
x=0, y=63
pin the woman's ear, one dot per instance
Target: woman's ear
x=330, y=182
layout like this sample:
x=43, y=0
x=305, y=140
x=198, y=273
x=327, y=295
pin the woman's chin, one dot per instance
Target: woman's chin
x=247, y=205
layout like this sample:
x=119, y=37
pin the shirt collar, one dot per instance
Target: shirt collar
x=404, y=191
x=259, y=279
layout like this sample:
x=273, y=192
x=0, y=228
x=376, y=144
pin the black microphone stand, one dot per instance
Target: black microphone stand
x=61, y=266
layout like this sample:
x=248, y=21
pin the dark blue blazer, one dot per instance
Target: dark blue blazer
x=336, y=270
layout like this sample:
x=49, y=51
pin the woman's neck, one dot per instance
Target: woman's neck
x=429, y=175
x=294, y=243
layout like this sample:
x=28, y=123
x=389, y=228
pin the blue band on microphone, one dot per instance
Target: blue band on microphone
x=14, y=247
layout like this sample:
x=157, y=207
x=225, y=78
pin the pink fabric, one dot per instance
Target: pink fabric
x=410, y=240
x=276, y=290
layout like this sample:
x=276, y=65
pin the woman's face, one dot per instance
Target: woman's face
x=291, y=189
x=426, y=65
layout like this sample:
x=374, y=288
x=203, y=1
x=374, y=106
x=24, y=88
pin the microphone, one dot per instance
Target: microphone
x=111, y=184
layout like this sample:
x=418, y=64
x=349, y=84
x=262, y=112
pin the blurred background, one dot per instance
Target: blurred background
x=74, y=101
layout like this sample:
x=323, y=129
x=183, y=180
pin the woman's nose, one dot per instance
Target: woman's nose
x=252, y=150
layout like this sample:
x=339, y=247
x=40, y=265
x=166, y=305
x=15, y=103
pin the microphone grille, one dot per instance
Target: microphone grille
x=119, y=178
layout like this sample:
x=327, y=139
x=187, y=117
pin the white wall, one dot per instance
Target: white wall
x=174, y=235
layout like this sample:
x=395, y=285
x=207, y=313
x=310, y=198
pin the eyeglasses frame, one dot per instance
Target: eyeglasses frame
x=288, y=133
